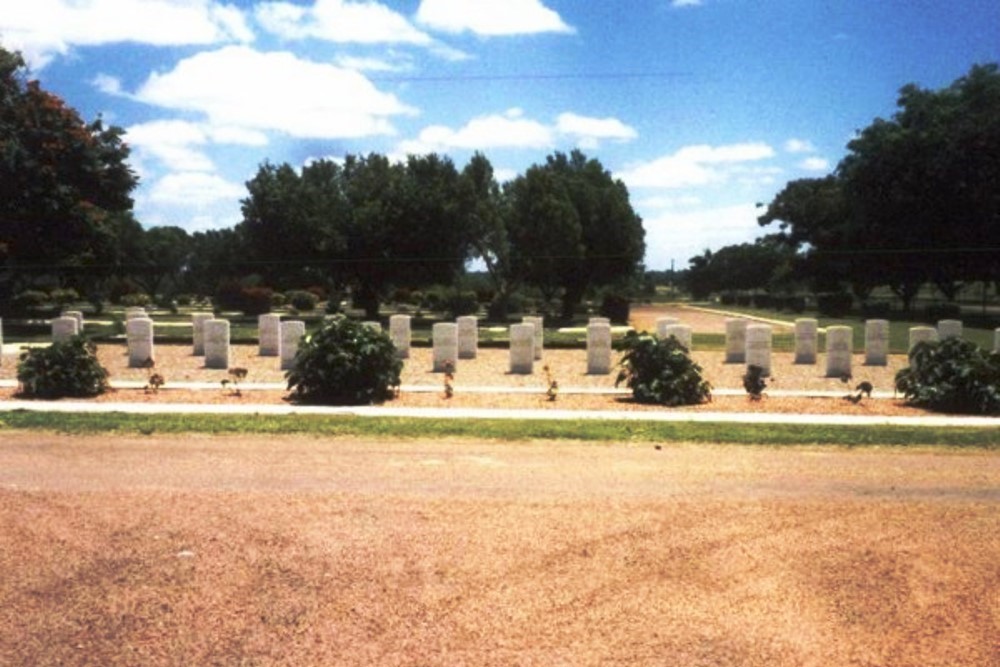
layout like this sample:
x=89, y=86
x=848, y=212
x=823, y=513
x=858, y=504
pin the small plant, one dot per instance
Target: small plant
x=754, y=382
x=952, y=375
x=154, y=380
x=238, y=375
x=863, y=389
x=552, y=393
x=69, y=368
x=449, y=379
x=661, y=371
x=345, y=363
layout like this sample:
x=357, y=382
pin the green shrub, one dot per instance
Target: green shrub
x=661, y=371
x=834, y=304
x=615, y=307
x=62, y=369
x=64, y=296
x=952, y=375
x=302, y=300
x=135, y=300
x=345, y=363
x=462, y=303
x=256, y=300
x=29, y=300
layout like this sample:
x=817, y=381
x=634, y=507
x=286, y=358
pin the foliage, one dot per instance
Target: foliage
x=135, y=300
x=834, y=304
x=302, y=300
x=64, y=185
x=661, y=371
x=256, y=300
x=62, y=369
x=615, y=307
x=942, y=311
x=28, y=300
x=345, y=363
x=754, y=382
x=952, y=375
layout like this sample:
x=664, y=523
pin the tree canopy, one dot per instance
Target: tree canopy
x=64, y=184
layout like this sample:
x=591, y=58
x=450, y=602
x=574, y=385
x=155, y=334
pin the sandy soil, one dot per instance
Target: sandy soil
x=491, y=369
x=304, y=551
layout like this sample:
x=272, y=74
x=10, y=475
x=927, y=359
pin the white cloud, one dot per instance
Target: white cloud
x=508, y=130
x=172, y=142
x=43, y=29
x=340, y=21
x=814, y=164
x=590, y=131
x=374, y=64
x=488, y=19
x=194, y=189
x=799, y=146
x=685, y=3
x=694, y=165
x=679, y=236
x=238, y=87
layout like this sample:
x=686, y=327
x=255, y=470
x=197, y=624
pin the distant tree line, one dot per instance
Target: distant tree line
x=365, y=225
x=915, y=202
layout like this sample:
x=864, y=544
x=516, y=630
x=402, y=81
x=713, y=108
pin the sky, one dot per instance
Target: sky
x=703, y=108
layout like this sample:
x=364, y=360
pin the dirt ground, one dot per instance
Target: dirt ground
x=204, y=550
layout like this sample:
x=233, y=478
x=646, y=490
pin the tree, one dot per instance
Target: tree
x=64, y=185
x=165, y=252
x=486, y=229
x=572, y=227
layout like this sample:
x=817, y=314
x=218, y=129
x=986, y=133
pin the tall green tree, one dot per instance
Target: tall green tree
x=64, y=185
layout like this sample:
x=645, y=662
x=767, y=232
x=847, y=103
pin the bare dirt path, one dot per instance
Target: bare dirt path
x=306, y=551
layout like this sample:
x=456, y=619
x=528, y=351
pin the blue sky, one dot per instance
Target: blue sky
x=702, y=107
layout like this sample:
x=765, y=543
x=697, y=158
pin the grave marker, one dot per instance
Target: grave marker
x=599, y=348
x=269, y=333
x=759, y=341
x=445, y=340
x=949, y=329
x=198, y=332
x=139, y=335
x=522, y=348
x=806, y=340
x=736, y=340
x=839, y=347
x=400, y=333
x=681, y=332
x=217, y=344
x=64, y=328
x=468, y=336
x=877, y=342
x=292, y=332
x=662, y=323
x=539, y=324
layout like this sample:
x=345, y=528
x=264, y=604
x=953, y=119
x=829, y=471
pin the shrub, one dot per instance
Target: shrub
x=794, y=304
x=256, y=300
x=942, y=311
x=135, y=300
x=462, y=303
x=345, y=363
x=64, y=296
x=764, y=301
x=278, y=300
x=952, y=375
x=62, y=369
x=834, y=304
x=185, y=300
x=876, y=310
x=302, y=300
x=29, y=300
x=228, y=295
x=661, y=371
x=615, y=307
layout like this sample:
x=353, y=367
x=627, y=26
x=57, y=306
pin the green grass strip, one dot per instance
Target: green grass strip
x=503, y=429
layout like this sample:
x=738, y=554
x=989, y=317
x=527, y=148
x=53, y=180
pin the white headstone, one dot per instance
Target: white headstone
x=839, y=348
x=217, y=344
x=64, y=328
x=445, y=341
x=139, y=334
x=468, y=336
x=599, y=348
x=758, y=346
x=599, y=320
x=921, y=334
x=681, y=332
x=134, y=311
x=522, y=348
x=291, y=333
x=79, y=318
x=662, y=323
x=806, y=340
x=949, y=329
x=877, y=342
x=539, y=323
x=269, y=332
x=198, y=332
x=399, y=332
x=736, y=340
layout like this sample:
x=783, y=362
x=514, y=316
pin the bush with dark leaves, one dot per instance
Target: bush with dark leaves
x=952, y=375
x=661, y=371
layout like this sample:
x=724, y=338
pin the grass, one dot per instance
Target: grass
x=500, y=429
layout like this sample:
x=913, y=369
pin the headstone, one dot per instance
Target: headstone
x=64, y=328
x=198, y=332
x=806, y=340
x=662, y=323
x=217, y=344
x=599, y=320
x=839, y=348
x=79, y=318
x=996, y=340
x=539, y=323
x=468, y=336
x=134, y=311
x=681, y=332
x=877, y=342
x=139, y=335
x=736, y=340
x=949, y=329
x=921, y=334
x=292, y=332
x=759, y=341
x=269, y=332
x=599, y=348
x=399, y=332
x=522, y=348
x=445, y=340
